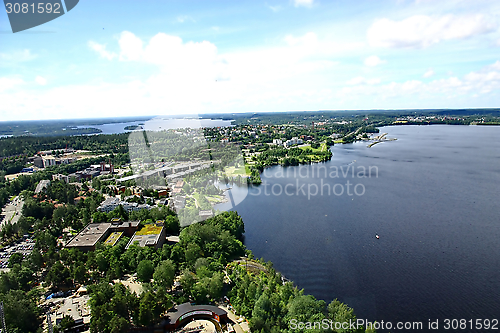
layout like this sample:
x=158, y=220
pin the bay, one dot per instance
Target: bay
x=432, y=196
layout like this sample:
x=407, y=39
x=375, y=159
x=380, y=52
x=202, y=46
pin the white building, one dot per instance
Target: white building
x=112, y=203
x=293, y=141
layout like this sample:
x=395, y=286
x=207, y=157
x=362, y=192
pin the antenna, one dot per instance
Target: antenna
x=49, y=323
x=4, y=328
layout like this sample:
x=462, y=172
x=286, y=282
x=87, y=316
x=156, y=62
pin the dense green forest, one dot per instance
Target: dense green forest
x=30, y=145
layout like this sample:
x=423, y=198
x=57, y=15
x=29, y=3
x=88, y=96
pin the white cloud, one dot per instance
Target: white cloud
x=303, y=3
x=479, y=83
x=275, y=9
x=17, y=56
x=420, y=31
x=101, y=50
x=300, y=73
x=359, y=80
x=130, y=46
x=194, y=77
x=429, y=73
x=41, y=80
x=496, y=65
x=309, y=39
x=373, y=61
x=184, y=18
x=9, y=83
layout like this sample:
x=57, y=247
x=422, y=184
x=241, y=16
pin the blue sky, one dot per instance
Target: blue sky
x=128, y=58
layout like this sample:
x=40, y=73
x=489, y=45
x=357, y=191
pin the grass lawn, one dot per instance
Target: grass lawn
x=321, y=148
x=214, y=198
x=233, y=172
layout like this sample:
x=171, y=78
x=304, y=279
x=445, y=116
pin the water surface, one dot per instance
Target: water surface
x=434, y=203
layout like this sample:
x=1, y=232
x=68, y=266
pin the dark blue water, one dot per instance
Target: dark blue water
x=435, y=203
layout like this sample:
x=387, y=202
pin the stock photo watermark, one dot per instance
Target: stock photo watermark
x=431, y=324
x=331, y=181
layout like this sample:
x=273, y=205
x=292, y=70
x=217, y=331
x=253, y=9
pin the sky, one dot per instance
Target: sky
x=136, y=58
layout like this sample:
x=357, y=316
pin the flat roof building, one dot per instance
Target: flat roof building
x=93, y=233
x=150, y=235
x=181, y=314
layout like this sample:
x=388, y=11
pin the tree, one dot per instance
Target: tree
x=147, y=308
x=145, y=270
x=58, y=274
x=188, y=280
x=66, y=323
x=164, y=274
x=192, y=252
x=21, y=312
x=15, y=258
x=119, y=324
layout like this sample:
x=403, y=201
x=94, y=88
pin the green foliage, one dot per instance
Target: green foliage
x=145, y=270
x=164, y=274
x=15, y=258
x=21, y=312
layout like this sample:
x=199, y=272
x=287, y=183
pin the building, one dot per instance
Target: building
x=61, y=177
x=206, y=214
x=42, y=185
x=293, y=141
x=112, y=203
x=163, y=202
x=45, y=161
x=93, y=233
x=177, y=203
x=181, y=314
x=153, y=235
x=48, y=160
x=106, y=167
x=277, y=142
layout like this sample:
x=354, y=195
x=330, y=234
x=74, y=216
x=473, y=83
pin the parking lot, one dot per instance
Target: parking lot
x=25, y=247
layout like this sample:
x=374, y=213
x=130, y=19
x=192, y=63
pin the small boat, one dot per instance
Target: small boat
x=377, y=236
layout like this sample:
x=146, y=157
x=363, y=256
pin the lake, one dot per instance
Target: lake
x=432, y=196
x=158, y=124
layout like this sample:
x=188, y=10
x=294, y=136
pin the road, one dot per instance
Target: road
x=237, y=326
x=12, y=211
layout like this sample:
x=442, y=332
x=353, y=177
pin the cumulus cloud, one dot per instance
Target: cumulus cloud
x=9, y=83
x=373, y=61
x=130, y=46
x=360, y=80
x=101, y=50
x=41, y=80
x=303, y=3
x=194, y=77
x=309, y=39
x=429, y=73
x=420, y=31
x=479, y=83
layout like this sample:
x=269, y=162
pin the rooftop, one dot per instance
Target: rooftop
x=149, y=229
x=147, y=236
x=113, y=238
x=90, y=235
